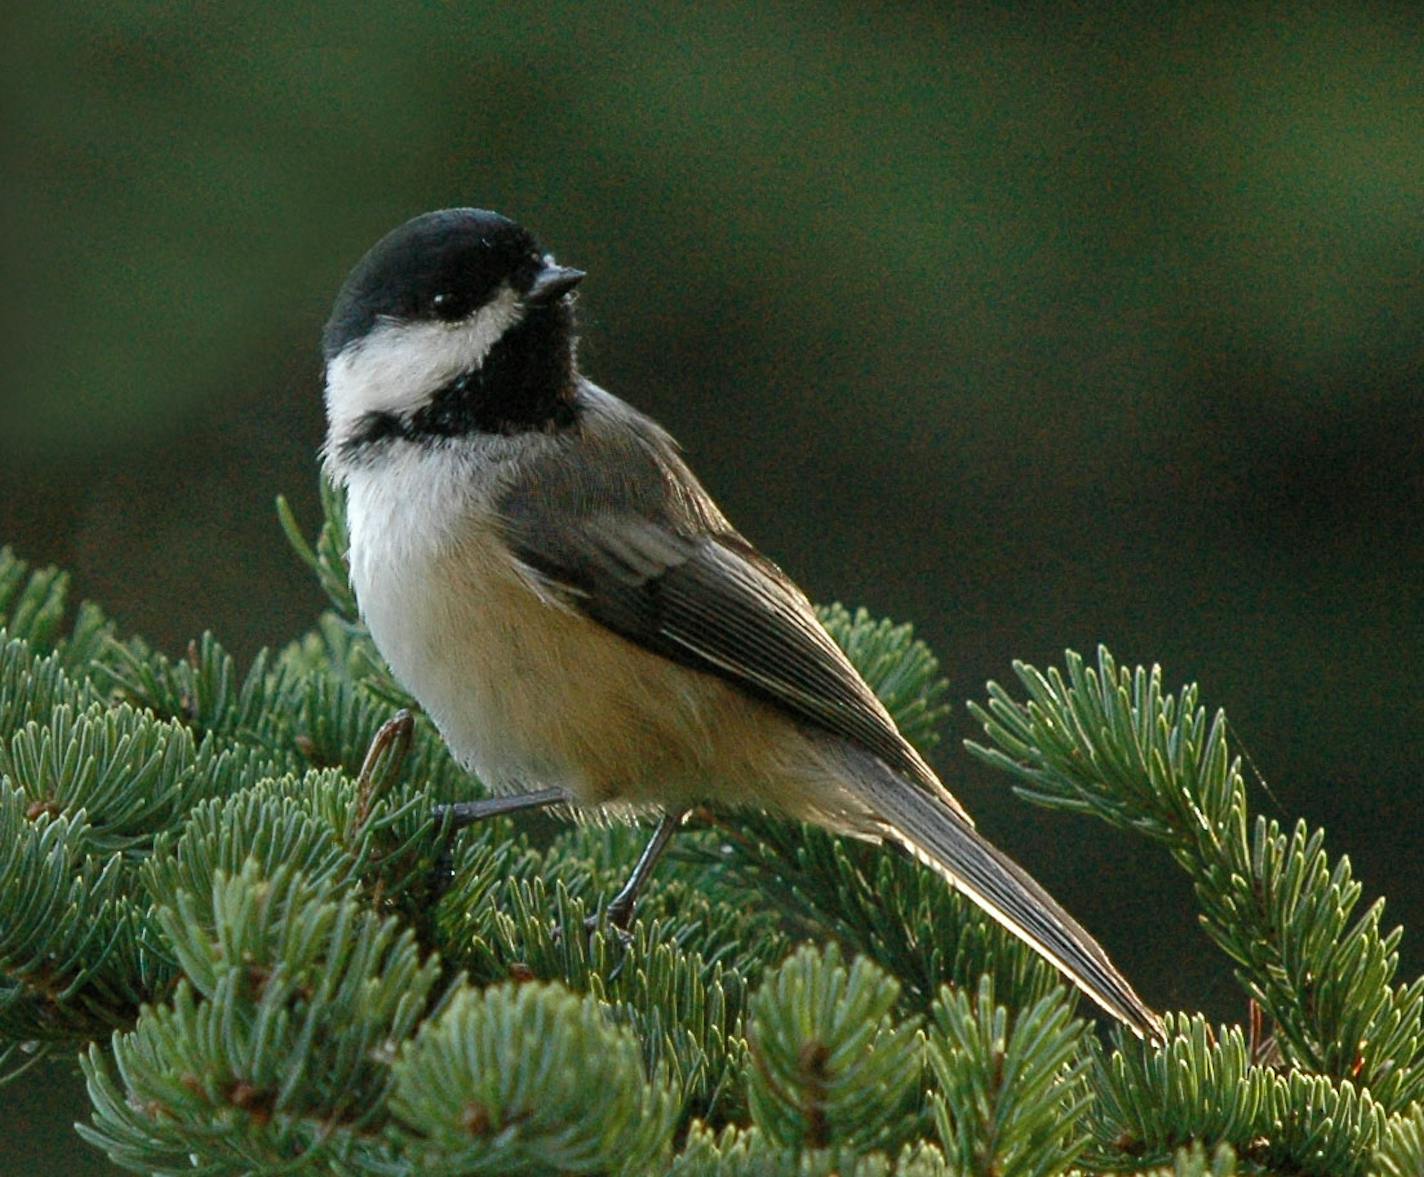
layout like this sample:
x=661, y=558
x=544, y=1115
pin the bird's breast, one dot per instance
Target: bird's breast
x=448, y=613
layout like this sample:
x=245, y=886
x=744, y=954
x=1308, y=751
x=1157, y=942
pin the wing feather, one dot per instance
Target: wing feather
x=651, y=558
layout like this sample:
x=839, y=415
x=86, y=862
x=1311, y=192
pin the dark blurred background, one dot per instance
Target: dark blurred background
x=1037, y=330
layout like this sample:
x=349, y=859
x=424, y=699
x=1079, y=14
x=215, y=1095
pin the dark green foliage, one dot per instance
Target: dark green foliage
x=478, y=1103
x=1112, y=743
x=229, y=891
x=33, y=607
x=1196, y=1161
x=747, y=1153
x=830, y=1066
x=998, y=1072
x=32, y=685
x=1203, y=1085
x=71, y=950
x=1402, y=1152
x=131, y=774
x=507, y=915
x=278, y=1043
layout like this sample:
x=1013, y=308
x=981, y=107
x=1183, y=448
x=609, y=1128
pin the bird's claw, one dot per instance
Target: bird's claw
x=614, y=920
x=609, y=920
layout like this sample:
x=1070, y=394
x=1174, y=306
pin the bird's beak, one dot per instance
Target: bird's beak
x=552, y=283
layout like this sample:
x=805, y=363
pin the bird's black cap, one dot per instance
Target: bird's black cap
x=438, y=266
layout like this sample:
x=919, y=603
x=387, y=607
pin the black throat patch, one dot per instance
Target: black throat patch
x=527, y=384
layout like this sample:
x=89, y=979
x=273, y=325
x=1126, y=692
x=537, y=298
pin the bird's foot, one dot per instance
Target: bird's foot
x=616, y=918
x=612, y=921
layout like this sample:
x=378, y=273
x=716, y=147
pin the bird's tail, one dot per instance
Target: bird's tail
x=945, y=841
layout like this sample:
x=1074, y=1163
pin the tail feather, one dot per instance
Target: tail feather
x=947, y=843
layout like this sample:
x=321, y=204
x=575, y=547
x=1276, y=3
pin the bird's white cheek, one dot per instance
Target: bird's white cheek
x=399, y=366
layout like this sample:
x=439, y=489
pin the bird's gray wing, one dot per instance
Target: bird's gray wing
x=640, y=564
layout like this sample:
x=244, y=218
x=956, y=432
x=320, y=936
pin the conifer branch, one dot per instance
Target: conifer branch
x=1112, y=743
x=1010, y=1098
x=830, y=1067
x=271, y=955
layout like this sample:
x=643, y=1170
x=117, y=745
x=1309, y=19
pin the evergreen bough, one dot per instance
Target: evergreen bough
x=231, y=894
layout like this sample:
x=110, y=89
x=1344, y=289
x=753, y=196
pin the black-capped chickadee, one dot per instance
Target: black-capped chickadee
x=547, y=577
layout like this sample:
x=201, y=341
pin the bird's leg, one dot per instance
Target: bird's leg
x=621, y=907
x=460, y=814
x=466, y=813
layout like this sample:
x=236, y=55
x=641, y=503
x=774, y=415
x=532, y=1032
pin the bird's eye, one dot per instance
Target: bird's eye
x=448, y=305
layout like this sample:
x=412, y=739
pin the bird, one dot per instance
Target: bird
x=543, y=572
